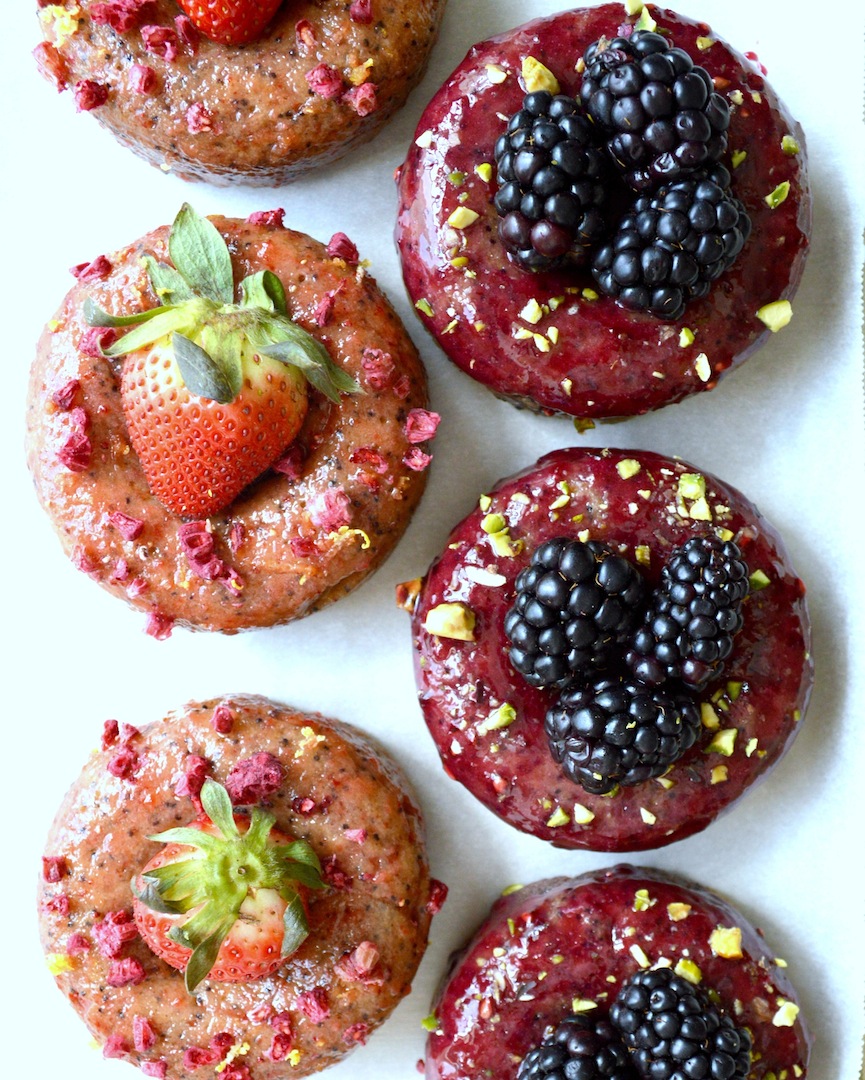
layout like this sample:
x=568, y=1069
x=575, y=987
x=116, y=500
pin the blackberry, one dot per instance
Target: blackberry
x=578, y=1049
x=693, y=614
x=551, y=189
x=671, y=246
x=675, y=1033
x=619, y=732
x=662, y=114
x=574, y=604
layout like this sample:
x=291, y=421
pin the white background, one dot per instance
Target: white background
x=787, y=429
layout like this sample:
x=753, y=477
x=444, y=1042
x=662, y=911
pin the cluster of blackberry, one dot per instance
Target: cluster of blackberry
x=660, y=1027
x=627, y=666
x=649, y=115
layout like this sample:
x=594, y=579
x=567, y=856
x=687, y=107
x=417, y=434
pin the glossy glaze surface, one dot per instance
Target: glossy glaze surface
x=340, y=793
x=281, y=580
x=761, y=697
x=605, y=362
x=264, y=124
x=561, y=940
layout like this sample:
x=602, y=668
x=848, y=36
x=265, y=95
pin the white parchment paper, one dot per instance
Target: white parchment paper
x=787, y=429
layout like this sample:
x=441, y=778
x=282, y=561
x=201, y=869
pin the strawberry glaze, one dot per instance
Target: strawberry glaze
x=560, y=940
x=607, y=362
x=461, y=684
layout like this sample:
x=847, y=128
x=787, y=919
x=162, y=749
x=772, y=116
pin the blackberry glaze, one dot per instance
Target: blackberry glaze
x=550, y=183
x=670, y=246
x=659, y=111
x=675, y=1033
x=693, y=614
x=618, y=732
x=579, y=1049
x=574, y=604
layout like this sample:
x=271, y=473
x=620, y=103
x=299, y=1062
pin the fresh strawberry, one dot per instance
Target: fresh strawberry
x=225, y=903
x=231, y=22
x=213, y=391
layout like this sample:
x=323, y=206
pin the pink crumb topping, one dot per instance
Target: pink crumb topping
x=438, y=893
x=96, y=339
x=143, y=1034
x=114, y=932
x=254, y=778
x=56, y=905
x=123, y=764
x=304, y=806
x=157, y=1069
x=340, y=247
x=51, y=65
x=416, y=459
x=115, y=1047
x=130, y=528
x=281, y=1023
x=187, y=32
x=198, y=545
x=191, y=780
x=358, y=1033
x=122, y=15
x=361, y=11
x=236, y=1071
x=142, y=79
x=334, y=875
x=76, y=943
x=290, y=464
x=325, y=81
x=330, y=509
x=110, y=733
x=137, y=587
x=378, y=367
x=222, y=1042
x=273, y=218
x=357, y=836
x=89, y=95
x=362, y=98
x=280, y=1047
x=128, y=732
x=359, y=965
x=402, y=387
x=198, y=118
x=304, y=33
x=97, y=269
x=236, y=535
x=120, y=573
x=82, y=561
x=420, y=425
x=367, y=455
x=420, y=1066
x=261, y=1013
x=159, y=625
x=313, y=1004
x=126, y=972
x=54, y=868
x=161, y=41
x=302, y=547
x=324, y=308
x=222, y=720
x=194, y=1057
x=64, y=395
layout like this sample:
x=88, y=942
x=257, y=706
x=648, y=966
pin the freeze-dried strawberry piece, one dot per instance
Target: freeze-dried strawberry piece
x=114, y=932
x=115, y=1047
x=334, y=875
x=51, y=65
x=304, y=33
x=324, y=308
x=95, y=340
x=123, y=764
x=272, y=218
x=313, y=1004
x=56, y=905
x=198, y=118
x=362, y=98
x=302, y=547
x=360, y=965
x=191, y=780
x=54, y=868
x=97, y=269
x=340, y=247
x=143, y=1034
x=330, y=509
x=64, y=395
x=361, y=11
x=142, y=79
x=76, y=944
x=161, y=41
x=130, y=528
x=110, y=733
x=126, y=972
x=187, y=32
x=194, y=1057
x=370, y=457
x=156, y=1069
x=378, y=367
x=291, y=462
x=325, y=81
x=221, y=1043
x=254, y=778
x=280, y=1047
x=438, y=893
x=416, y=459
x=281, y=1023
x=122, y=15
x=358, y=1033
x=89, y=95
x=222, y=720
x=76, y=452
x=420, y=425
x=198, y=545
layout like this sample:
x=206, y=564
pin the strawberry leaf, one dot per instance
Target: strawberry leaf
x=309, y=355
x=264, y=290
x=170, y=286
x=94, y=315
x=217, y=806
x=204, y=955
x=151, y=897
x=165, y=322
x=295, y=926
x=201, y=256
x=301, y=852
x=201, y=373
x=189, y=836
x=224, y=346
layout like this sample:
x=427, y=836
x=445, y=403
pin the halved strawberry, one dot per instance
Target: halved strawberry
x=223, y=903
x=231, y=22
x=213, y=391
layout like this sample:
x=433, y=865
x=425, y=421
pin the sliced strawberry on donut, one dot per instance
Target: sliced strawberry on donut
x=213, y=391
x=231, y=22
x=225, y=903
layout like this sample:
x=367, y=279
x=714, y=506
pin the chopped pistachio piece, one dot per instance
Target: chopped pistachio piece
x=451, y=620
x=704, y=43
x=702, y=368
x=589, y=294
x=750, y=747
x=642, y=900
x=786, y=1014
x=538, y=77
x=633, y=7
x=708, y=717
x=457, y=178
x=648, y=817
x=719, y=775
x=737, y=157
x=501, y=717
x=700, y=511
x=789, y=145
x=775, y=315
x=758, y=580
x=723, y=742
x=493, y=523
x=582, y=1005
x=583, y=424
x=687, y=969
x=645, y=21
x=424, y=140
x=496, y=73
x=484, y=171
x=639, y=955
x=678, y=911
x=557, y=818
x=532, y=312
x=430, y=1023
x=726, y=941
x=686, y=337
x=776, y=197
x=643, y=554
x=691, y=486
x=509, y=889
x=628, y=467
x=424, y=306
x=462, y=217
x=485, y=502
x=582, y=814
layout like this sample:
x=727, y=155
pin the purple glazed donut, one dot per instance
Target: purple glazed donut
x=538, y=339
x=488, y=722
x=568, y=944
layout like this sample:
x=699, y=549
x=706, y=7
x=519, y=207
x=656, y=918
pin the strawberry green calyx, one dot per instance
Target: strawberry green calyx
x=223, y=868
x=209, y=333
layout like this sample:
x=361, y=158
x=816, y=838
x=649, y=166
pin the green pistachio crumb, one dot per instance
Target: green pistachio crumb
x=776, y=197
x=686, y=337
x=789, y=145
x=557, y=818
x=758, y=580
x=775, y=315
x=424, y=306
x=737, y=157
